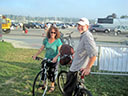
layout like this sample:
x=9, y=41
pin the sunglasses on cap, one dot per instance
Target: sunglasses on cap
x=53, y=32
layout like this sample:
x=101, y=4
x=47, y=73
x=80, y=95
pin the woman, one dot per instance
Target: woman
x=52, y=43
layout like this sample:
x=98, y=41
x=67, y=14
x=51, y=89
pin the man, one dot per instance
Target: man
x=84, y=57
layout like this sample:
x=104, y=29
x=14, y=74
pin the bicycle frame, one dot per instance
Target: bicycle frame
x=80, y=88
x=79, y=85
x=45, y=79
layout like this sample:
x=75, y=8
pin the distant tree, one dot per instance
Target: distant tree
x=26, y=19
x=112, y=16
x=124, y=16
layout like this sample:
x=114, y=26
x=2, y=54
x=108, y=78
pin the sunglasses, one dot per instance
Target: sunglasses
x=53, y=32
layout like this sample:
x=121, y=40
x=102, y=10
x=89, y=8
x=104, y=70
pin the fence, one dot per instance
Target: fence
x=111, y=60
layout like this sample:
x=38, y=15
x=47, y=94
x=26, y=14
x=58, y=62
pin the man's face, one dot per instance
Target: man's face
x=82, y=28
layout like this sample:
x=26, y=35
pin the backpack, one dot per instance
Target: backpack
x=66, y=54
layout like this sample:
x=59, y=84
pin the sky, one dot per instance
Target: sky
x=64, y=8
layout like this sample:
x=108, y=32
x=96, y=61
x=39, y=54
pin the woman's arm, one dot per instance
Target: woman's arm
x=55, y=58
x=39, y=51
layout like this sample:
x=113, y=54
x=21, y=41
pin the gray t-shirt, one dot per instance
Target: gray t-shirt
x=86, y=49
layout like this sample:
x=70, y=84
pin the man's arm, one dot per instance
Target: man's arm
x=86, y=71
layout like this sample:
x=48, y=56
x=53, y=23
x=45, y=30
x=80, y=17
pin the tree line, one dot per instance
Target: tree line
x=19, y=18
x=26, y=19
x=114, y=15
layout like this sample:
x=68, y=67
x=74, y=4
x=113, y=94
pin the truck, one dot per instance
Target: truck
x=6, y=24
x=111, y=23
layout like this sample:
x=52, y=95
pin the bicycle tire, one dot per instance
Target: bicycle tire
x=61, y=80
x=84, y=92
x=37, y=85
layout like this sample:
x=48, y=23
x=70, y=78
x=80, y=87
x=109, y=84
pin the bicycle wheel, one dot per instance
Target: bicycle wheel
x=72, y=43
x=61, y=80
x=38, y=85
x=84, y=92
x=65, y=40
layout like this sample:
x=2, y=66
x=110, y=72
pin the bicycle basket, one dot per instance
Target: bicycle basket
x=66, y=54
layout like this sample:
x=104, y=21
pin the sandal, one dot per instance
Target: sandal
x=43, y=87
x=51, y=89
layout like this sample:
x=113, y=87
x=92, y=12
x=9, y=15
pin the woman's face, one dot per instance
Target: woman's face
x=53, y=33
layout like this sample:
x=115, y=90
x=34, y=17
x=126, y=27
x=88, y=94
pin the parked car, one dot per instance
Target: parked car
x=32, y=25
x=64, y=26
x=37, y=25
x=99, y=28
x=29, y=25
x=14, y=24
x=121, y=29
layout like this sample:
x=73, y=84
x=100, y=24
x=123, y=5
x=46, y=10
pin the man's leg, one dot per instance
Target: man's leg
x=70, y=83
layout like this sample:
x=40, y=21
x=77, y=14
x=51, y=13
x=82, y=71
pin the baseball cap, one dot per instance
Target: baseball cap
x=83, y=21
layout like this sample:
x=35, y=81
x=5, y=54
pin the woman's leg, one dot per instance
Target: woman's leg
x=51, y=73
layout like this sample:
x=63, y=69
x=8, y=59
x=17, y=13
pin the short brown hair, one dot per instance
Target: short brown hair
x=56, y=30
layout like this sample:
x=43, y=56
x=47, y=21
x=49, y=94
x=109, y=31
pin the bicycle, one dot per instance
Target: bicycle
x=38, y=84
x=80, y=89
x=68, y=39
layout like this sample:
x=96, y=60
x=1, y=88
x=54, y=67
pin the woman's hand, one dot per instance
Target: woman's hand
x=54, y=60
x=34, y=57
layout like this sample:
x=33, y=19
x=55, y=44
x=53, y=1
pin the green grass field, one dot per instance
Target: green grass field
x=18, y=69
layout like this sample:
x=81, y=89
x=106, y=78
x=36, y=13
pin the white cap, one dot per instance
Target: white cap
x=83, y=21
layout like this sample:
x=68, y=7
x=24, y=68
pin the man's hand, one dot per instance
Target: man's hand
x=85, y=71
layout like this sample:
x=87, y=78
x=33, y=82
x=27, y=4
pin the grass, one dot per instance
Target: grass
x=18, y=70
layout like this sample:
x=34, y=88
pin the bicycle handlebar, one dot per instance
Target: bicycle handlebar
x=40, y=58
